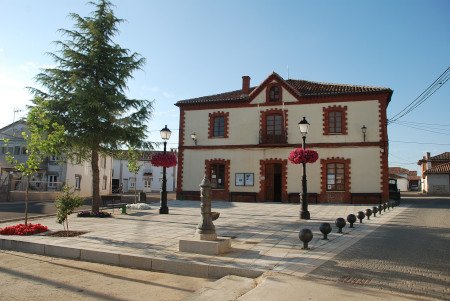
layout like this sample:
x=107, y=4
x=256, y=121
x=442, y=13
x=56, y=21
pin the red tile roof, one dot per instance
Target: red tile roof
x=444, y=157
x=440, y=169
x=398, y=170
x=299, y=87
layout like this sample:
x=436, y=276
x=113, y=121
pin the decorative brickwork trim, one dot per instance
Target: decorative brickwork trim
x=263, y=123
x=262, y=175
x=269, y=86
x=181, y=151
x=212, y=116
x=222, y=194
x=334, y=196
x=326, y=120
x=268, y=81
x=384, y=165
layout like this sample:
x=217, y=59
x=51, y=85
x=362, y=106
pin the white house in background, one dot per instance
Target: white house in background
x=79, y=176
x=436, y=173
x=49, y=178
x=406, y=179
x=148, y=179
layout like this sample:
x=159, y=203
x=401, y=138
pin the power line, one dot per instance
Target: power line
x=425, y=143
x=432, y=130
x=430, y=90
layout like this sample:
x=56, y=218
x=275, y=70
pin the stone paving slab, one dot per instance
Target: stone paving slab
x=264, y=237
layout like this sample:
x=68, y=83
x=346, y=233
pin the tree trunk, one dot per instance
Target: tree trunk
x=26, y=200
x=135, y=183
x=95, y=182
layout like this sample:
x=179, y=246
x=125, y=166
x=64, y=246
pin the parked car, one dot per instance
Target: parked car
x=414, y=187
x=394, y=192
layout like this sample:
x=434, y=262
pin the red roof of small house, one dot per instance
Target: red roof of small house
x=296, y=87
x=444, y=157
x=398, y=170
x=440, y=169
x=395, y=176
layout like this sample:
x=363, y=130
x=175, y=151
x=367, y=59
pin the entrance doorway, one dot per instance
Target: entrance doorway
x=273, y=182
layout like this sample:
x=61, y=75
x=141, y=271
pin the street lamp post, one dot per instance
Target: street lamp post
x=165, y=135
x=304, y=213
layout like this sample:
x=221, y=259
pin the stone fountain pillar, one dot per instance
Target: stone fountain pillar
x=205, y=240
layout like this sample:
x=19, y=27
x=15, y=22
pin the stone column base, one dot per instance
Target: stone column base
x=206, y=247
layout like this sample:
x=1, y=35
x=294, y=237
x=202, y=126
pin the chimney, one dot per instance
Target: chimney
x=428, y=155
x=246, y=84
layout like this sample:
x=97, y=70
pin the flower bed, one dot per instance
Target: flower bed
x=100, y=214
x=22, y=229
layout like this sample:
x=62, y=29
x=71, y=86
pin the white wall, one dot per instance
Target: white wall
x=121, y=172
x=438, y=183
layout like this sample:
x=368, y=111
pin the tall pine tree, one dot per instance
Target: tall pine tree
x=85, y=92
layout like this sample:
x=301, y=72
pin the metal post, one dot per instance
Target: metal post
x=205, y=229
x=304, y=213
x=164, y=209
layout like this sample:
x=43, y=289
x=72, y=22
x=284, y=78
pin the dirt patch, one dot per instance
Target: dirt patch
x=66, y=233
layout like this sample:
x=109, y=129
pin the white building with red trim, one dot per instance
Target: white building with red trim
x=435, y=173
x=243, y=139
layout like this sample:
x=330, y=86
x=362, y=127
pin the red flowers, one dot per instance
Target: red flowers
x=22, y=229
x=164, y=160
x=300, y=155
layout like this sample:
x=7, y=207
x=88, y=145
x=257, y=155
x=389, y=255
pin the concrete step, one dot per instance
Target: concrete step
x=228, y=288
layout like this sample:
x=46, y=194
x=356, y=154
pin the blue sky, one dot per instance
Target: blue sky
x=197, y=47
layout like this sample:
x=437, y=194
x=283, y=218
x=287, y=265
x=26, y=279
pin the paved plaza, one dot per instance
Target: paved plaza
x=264, y=237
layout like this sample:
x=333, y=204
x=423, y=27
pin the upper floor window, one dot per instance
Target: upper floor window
x=275, y=93
x=335, y=120
x=52, y=181
x=218, y=125
x=103, y=160
x=273, y=127
x=77, y=182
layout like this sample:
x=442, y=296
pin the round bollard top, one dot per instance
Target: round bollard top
x=325, y=228
x=351, y=218
x=368, y=212
x=361, y=215
x=375, y=209
x=305, y=235
x=340, y=222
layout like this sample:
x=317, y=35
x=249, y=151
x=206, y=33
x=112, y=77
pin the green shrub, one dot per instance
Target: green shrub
x=66, y=202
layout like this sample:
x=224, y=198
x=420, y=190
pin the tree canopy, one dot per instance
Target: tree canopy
x=85, y=92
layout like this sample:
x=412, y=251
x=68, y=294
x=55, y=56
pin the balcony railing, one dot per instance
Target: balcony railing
x=273, y=139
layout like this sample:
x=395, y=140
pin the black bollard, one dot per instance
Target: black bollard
x=361, y=216
x=325, y=228
x=368, y=213
x=380, y=208
x=374, y=210
x=384, y=207
x=351, y=218
x=305, y=236
x=340, y=223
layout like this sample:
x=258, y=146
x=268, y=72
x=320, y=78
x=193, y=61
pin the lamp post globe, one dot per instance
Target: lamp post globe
x=303, y=126
x=164, y=209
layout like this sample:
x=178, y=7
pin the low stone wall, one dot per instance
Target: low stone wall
x=15, y=196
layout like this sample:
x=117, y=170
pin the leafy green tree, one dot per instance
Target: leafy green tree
x=134, y=167
x=43, y=138
x=85, y=92
x=66, y=202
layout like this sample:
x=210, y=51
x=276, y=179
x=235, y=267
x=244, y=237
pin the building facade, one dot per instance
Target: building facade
x=242, y=140
x=148, y=179
x=435, y=173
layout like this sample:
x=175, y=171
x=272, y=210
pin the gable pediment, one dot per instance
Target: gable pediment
x=261, y=94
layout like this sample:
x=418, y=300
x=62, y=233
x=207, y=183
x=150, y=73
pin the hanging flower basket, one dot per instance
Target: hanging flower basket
x=300, y=155
x=164, y=160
